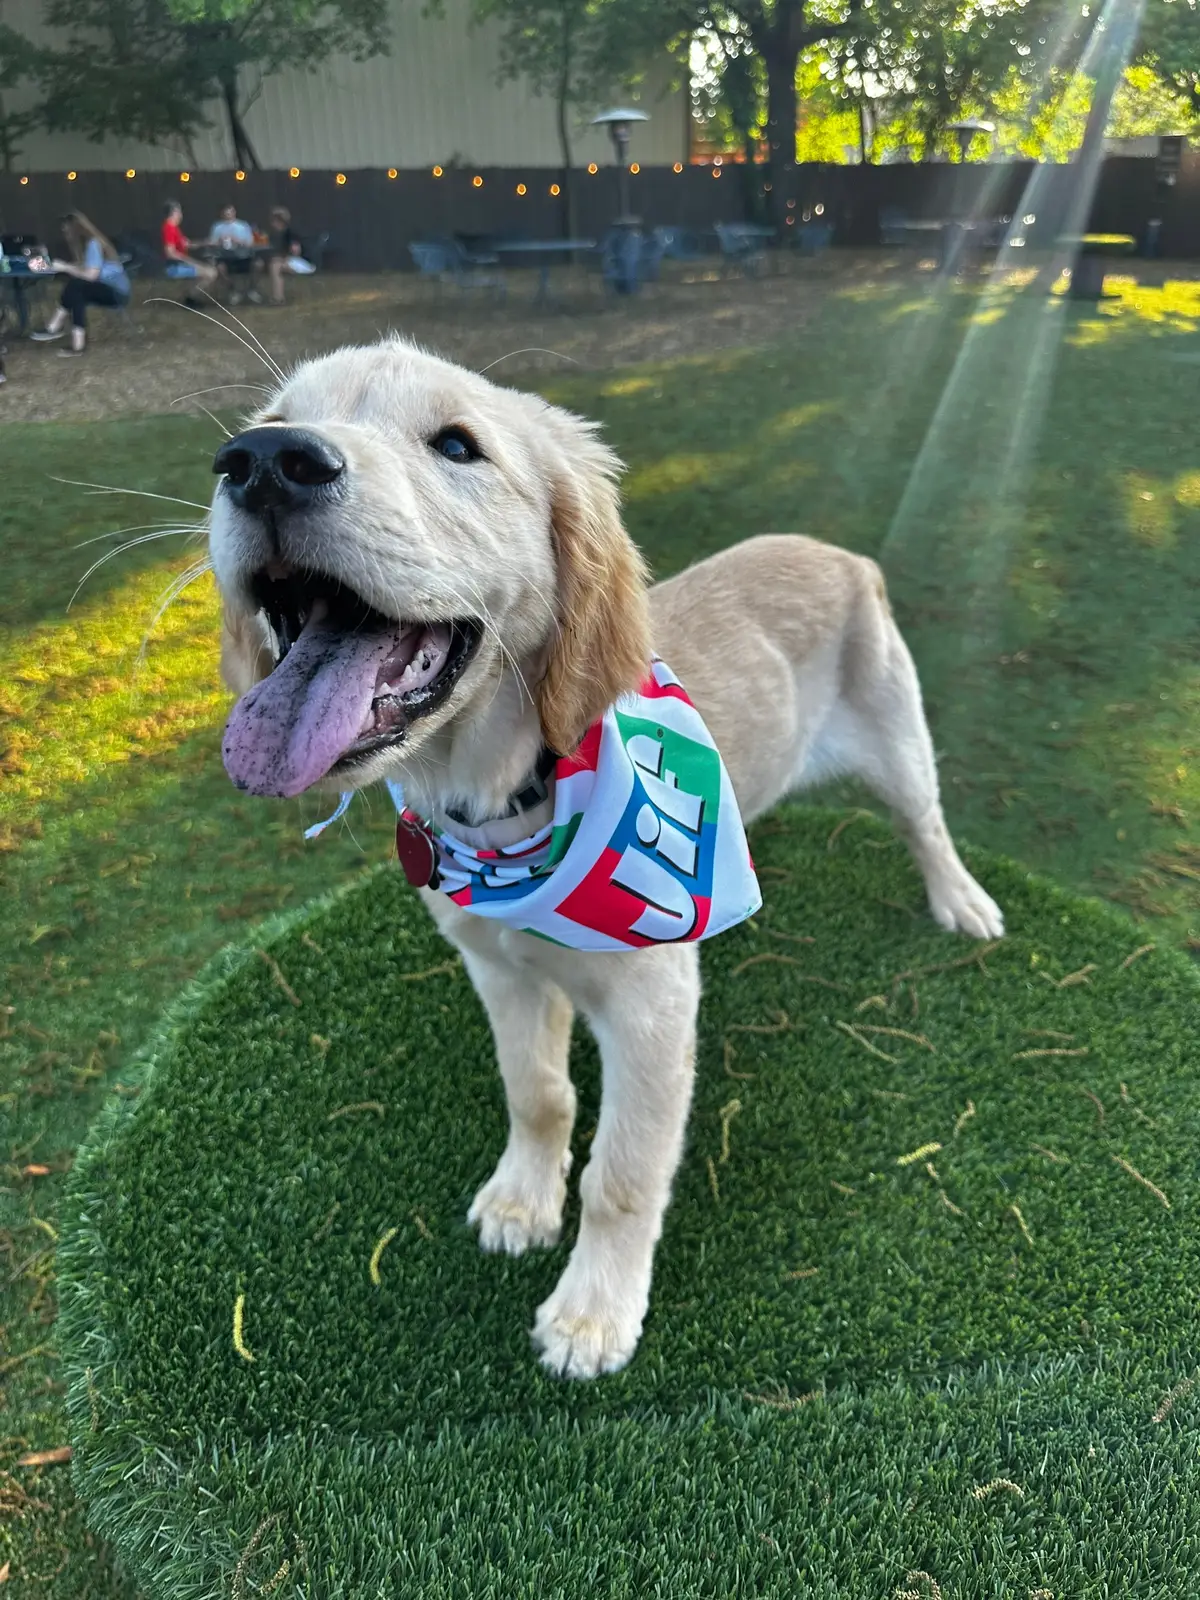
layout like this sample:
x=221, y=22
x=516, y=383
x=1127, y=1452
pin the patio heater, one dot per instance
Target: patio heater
x=623, y=250
x=966, y=131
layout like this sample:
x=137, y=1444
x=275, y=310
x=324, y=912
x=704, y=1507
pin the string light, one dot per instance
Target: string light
x=635, y=169
x=820, y=210
x=716, y=172
x=391, y=172
x=293, y=172
x=437, y=172
x=554, y=189
x=678, y=167
x=477, y=182
x=593, y=168
x=718, y=161
x=185, y=177
x=131, y=172
x=340, y=179
x=24, y=181
x=71, y=176
x=240, y=175
x=521, y=189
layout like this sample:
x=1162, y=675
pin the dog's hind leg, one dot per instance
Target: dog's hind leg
x=877, y=732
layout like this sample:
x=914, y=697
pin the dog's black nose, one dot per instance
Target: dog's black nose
x=275, y=468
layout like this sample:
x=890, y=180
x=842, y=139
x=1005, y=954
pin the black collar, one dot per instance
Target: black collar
x=532, y=793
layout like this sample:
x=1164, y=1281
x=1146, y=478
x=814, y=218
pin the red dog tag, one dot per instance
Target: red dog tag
x=416, y=852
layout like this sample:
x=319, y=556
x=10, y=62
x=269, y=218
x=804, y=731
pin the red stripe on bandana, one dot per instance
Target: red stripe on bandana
x=586, y=757
x=598, y=903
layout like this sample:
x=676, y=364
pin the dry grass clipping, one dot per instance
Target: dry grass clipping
x=377, y=1256
x=1144, y=1181
x=782, y=1401
x=921, y=1153
x=730, y=1055
x=377, y=1106
x=852, y=1031
x=239, y=1329
x=727, y=1113
x=280, y=981
x=771, y=956
x=984, y=1491
x=443, y=967
x=932, y=1590
x=1167, y=1403
x=1023, y=1225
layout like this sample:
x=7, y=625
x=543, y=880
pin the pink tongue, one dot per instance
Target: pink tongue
x=286, y=732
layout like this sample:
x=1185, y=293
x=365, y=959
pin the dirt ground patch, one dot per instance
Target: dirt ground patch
x=160, y=352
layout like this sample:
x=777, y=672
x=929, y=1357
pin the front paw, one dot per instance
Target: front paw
x=960, y=905
x=581, y=1331
x=521, y=1204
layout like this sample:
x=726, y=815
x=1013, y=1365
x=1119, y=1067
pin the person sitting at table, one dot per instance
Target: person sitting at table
x=236, y=239
x=176, y=248
x=95, y=276
x=287, y=254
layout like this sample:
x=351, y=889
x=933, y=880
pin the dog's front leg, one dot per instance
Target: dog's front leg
x=521, y=1204
x=643, y=1013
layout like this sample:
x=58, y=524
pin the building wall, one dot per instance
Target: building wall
x=434, y=98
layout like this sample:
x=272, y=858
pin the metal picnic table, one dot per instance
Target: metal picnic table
x=23, y=283
x=546, y=250
x=1090, y=252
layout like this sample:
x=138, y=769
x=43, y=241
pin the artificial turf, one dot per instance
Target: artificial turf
x=924, y=1311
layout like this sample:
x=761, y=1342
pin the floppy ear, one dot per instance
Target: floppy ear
x=601, y=648
x=246, y=656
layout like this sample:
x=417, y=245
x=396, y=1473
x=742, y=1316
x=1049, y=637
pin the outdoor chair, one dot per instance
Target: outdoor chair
x=812, y=238
x=678, y=244
x=743, y=245
x=447, y=262
x=893, y=226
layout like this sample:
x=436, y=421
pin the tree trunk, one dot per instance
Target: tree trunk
x=866, y=141
x=567, y=210
x=243, y=150
x=781, y=57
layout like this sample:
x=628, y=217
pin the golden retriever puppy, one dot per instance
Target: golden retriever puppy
x=426, y=580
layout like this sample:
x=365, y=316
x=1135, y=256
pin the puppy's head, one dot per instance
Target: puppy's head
x=398, y=543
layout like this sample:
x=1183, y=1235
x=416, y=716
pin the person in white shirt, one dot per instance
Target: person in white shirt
x=234, y=236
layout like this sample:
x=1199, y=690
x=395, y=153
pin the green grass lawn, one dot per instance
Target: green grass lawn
x=1043, y=555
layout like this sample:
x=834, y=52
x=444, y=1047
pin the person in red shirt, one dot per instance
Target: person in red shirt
x=176, y=247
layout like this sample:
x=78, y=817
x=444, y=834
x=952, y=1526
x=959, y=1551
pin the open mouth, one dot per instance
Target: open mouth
x=347, y=682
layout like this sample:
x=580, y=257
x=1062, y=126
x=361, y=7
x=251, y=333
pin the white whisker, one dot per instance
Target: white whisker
x=109, y=555
x=260, y=388
x=146, y=494
x=529, y=350
x=139, y=527
x=250, y=334
x=274, y=370
x=169, y=595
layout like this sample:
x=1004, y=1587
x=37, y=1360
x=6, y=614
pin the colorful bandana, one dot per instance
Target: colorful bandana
x=646, y=845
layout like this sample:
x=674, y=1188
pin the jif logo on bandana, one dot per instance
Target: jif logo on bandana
x=646, y=846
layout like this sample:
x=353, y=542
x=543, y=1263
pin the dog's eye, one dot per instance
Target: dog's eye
x=456, y=444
